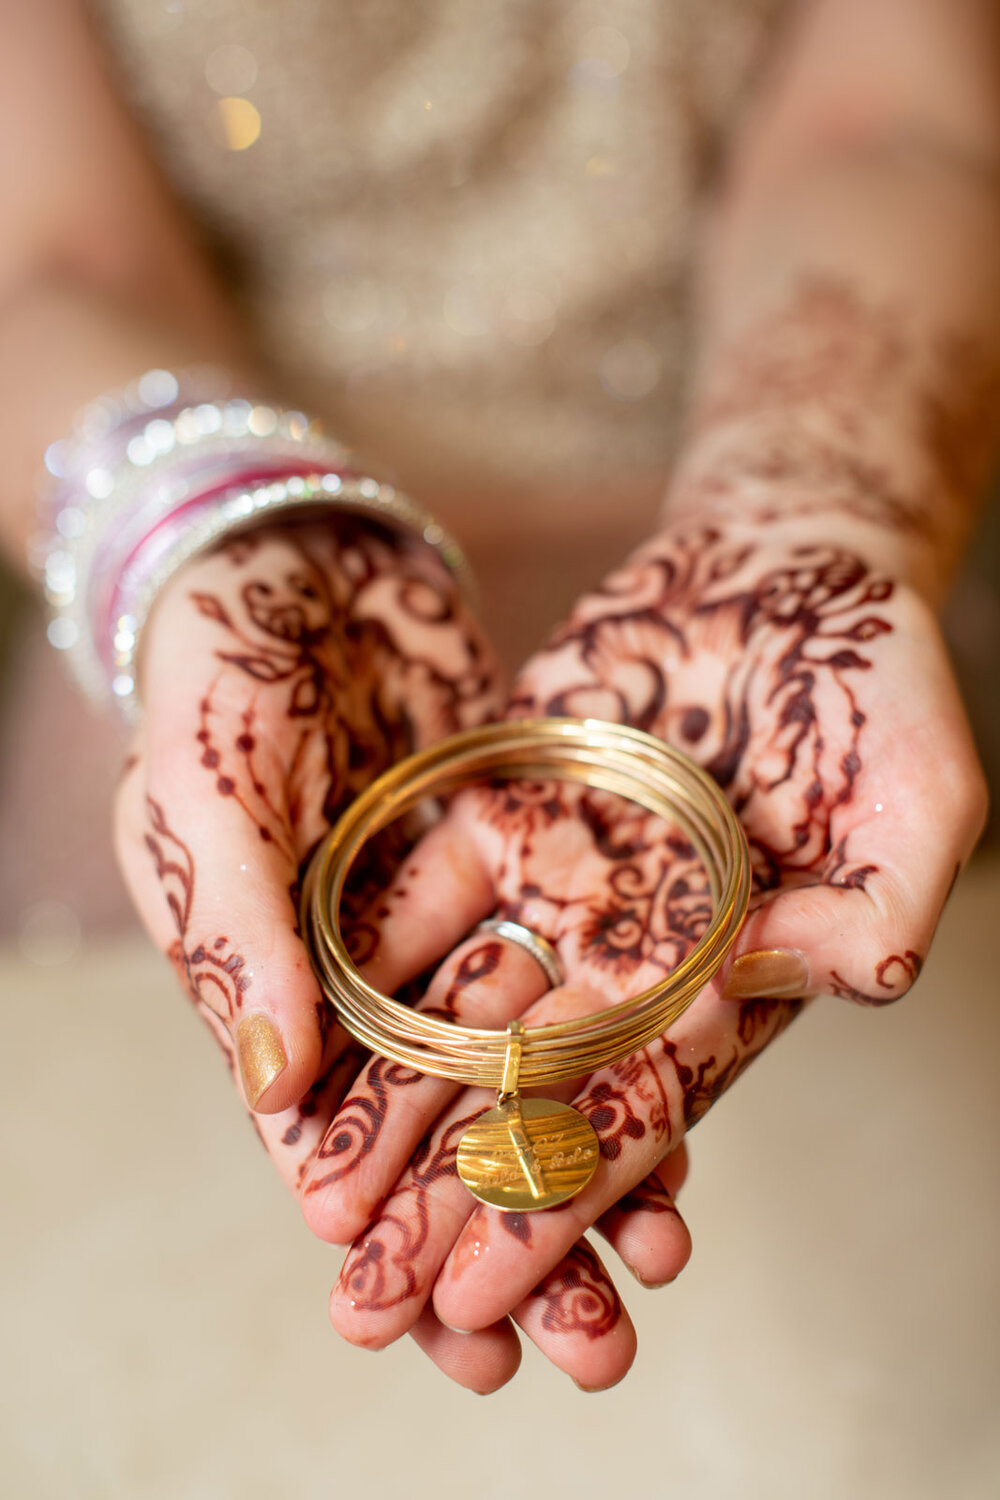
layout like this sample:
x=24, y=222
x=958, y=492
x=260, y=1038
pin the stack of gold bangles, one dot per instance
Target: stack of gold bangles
x=529, y=1153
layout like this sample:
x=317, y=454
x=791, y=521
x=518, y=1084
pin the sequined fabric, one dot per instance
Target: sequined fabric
x=462, y=228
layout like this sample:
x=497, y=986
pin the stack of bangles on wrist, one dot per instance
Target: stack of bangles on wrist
x=156, y=474
x=529, y=1153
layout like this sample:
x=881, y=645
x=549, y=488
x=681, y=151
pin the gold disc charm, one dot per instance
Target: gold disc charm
x=527, y=1154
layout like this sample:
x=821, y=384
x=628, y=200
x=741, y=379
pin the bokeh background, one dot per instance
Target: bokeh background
x=837, y=1333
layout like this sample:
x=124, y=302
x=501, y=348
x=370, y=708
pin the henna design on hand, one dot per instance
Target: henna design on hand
x=702, y=612
x=351, y=647
x=578, y=1296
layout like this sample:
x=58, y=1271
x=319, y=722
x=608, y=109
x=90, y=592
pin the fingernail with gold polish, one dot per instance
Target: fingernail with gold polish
x=772, y=973
x=262, y=1055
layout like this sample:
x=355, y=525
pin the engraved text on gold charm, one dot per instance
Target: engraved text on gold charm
x=527, y=1154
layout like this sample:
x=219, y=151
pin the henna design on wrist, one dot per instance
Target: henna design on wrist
x=797, y=409
x=578, y=1296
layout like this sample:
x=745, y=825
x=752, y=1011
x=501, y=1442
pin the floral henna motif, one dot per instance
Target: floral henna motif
x=890, y=973
x=610, y=1112
x=578, y=1296
x=351, y=650
x=751, y=664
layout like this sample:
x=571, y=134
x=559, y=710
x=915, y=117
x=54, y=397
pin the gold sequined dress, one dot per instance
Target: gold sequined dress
x=464, y=228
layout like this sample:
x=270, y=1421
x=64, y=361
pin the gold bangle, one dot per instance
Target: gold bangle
x=529, y=1153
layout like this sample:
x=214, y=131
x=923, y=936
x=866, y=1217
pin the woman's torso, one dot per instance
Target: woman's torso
x=464, y=230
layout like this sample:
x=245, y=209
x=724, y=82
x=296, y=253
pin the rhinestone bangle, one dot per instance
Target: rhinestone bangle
x=154, y=564
x=157, y=473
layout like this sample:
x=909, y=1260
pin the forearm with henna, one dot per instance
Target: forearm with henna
x=839, y=417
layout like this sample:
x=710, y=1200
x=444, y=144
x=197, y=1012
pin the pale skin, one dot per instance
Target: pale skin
x=779, y=626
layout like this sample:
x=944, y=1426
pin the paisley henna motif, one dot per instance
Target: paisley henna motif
x=359, y=1121
x=381, y=1270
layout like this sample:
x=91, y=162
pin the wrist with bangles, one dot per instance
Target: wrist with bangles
x=155, y=475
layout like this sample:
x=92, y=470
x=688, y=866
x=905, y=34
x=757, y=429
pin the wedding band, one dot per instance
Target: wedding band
x=540, y=948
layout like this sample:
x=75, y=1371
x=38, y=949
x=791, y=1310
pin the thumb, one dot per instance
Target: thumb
x=863, y=929
x=216, y=897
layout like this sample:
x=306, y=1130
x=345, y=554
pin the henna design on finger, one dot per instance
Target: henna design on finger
x=325, y=1094
x=380, y=1271
x=647, y=1197
x=896, y=973
x=248, y=789
x=518, y=1226
x=610, y=1112
x=479, y=963
x=211, y=972
x=358, y=1123
x=836, y=872
x=578, y=1296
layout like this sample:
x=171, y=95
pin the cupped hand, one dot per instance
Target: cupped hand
x=280, y=675
x=817, y=692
